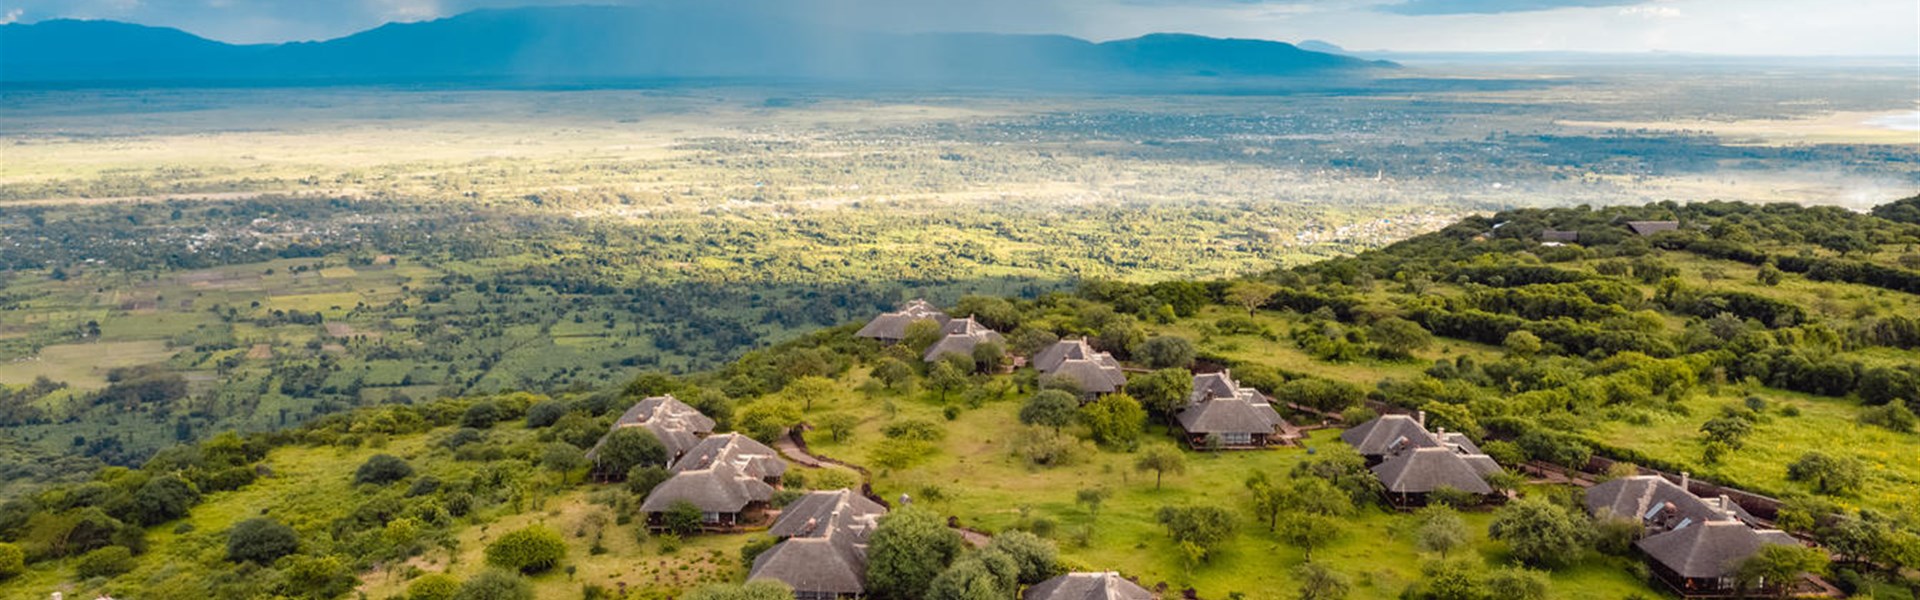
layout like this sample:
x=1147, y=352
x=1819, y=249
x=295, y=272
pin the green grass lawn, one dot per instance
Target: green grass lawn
x=1824, y=424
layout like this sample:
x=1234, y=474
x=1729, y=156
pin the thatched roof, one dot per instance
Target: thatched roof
x=964, y=326
x=1087, y=586
x=822, y=565
x=893, y=326
x=1652, y=227
x=1423, y=470
x=827, y=512
x=1387, y=433
x=1093, y=376
x=1709, y=550
x=678, y=425
x=962, y=343
x=823, y=547
x=1458, y=441
x=1207, y=386
x=1049, y=358
x=1658, y=504
x=1233, y=414
x=1551, y=235
x=721, y=488
x=743, y=453
x=1638, y=497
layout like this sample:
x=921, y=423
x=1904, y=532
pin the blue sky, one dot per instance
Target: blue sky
x=1800, y=27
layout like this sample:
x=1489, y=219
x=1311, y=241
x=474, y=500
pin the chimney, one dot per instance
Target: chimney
x=1422, y=419
x=1686, y=482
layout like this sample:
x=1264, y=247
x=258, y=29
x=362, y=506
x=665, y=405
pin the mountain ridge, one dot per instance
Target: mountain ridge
x=586, y=43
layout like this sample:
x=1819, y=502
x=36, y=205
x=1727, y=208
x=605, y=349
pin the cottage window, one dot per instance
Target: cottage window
x=1238, y=439
x=712, y=517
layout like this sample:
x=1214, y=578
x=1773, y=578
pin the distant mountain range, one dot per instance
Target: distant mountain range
x=574, y=45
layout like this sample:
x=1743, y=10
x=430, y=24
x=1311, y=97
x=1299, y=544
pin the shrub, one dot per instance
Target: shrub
x=382, y=469
x=13, y=561
x=1828, y=474
x=433, y=586
x=683, y=518
x=909, y=548
x=547, y=412
x=423, y=486
x=1037, y=558
x=531, y=550
x=641, y=479
x=1538, y=532
x=482, y=415
x=1050, y=408
x=1893, y=415
x=1115, y=420
x=105, y=562
x=495, y=585
x=260, y=540
x=915, y=429
x=163, y=498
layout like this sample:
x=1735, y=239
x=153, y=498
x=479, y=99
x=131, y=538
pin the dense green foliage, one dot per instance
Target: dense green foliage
x=530, y=550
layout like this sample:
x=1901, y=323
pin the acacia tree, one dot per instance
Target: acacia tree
x=947, y=377
x=1251, y=295
x=839, y=425
x=1399, y=337
x=1439, y=529
x=1317, y=582
x=1306, y=530
x=1092, y=498
x=810, y=389
x=893, y=373
x=1161, y=460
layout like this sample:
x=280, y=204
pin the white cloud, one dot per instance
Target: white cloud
x=1651, y=12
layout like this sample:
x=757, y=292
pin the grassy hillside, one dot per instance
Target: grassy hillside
x=1733, y=347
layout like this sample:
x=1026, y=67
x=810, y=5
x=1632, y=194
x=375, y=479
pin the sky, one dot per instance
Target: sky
x=1741, y=27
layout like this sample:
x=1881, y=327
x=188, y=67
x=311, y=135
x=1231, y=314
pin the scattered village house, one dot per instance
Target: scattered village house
x=1652, y=227
x=822, y=549
x=1551, y=235
x=892, y=327
x=1221, y=411
x=678, y=426
x=1413, y=463
x=1093, y=373
x=1088, y=586
x=729, y=477
x=960, y=336
x=1694, y=545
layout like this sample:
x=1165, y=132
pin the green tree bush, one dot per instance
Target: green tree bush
x=532, y=549
x=261, y=541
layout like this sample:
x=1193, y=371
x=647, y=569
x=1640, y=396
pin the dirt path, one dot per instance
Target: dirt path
x=795, y=453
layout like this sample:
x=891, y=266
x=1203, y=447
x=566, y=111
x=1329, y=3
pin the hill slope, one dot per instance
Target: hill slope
x=536, y=46
x=1731, y=345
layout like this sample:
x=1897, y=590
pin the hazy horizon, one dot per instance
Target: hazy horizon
x=1845, y=28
